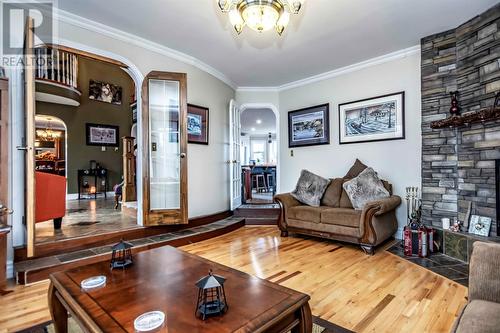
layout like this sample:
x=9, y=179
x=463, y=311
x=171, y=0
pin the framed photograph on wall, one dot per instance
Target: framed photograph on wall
x=102, y=135
x=105, y=92
x=373, y=119
x=309, y=126
x=197, y=124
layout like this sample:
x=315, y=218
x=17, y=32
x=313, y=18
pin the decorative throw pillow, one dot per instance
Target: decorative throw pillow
x=365, y=188
x=355, y=170
x=310, y=188
x=332, y=193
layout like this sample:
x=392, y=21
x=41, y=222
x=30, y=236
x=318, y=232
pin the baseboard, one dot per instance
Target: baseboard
x=10, y=269
x=74, y=196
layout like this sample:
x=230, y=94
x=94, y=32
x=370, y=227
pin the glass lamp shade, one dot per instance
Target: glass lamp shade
x=282, y=23
x=236, y=20
x=260, y=17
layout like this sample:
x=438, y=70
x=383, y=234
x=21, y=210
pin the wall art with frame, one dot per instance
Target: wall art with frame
x=372, y=119
x=309, y=126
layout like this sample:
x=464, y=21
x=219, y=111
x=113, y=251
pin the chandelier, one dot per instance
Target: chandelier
x=260, y=15
x=48, y=134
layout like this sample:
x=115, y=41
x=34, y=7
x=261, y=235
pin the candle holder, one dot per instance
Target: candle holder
x=413, y=207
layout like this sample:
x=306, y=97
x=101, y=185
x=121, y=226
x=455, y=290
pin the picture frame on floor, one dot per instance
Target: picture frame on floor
x=102, y=135
x=309, y=126
x=373, y=119
x=197, y=124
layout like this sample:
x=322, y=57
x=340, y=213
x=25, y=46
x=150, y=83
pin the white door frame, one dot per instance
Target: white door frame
x=234, y=162
x=275, y=110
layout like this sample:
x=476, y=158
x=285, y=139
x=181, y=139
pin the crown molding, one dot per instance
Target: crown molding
x=81, y=22
x=337, y=72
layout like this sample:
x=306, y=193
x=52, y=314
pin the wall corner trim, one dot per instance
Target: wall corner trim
x=400, y=54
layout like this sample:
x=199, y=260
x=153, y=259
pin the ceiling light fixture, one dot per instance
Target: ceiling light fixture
x=253, y=129
x=260, y=15
x=259, y=121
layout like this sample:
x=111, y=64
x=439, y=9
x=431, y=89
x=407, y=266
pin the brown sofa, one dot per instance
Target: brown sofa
x=337, y=219
x=481, y=314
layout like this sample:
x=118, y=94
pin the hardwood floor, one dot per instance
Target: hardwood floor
x=382, y=293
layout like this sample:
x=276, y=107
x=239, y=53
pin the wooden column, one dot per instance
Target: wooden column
x=129, y=188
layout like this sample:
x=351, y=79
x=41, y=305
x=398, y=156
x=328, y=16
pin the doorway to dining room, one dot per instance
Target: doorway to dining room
x=259, y=154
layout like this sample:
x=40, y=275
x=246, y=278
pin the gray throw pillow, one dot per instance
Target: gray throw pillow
x=365, y=188
x=310, y=188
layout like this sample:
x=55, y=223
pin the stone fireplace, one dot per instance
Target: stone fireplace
x=460, y=164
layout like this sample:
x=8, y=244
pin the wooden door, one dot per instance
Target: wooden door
x=234, y=155
x=4, y=152
x=29, y=98
x=164, y=138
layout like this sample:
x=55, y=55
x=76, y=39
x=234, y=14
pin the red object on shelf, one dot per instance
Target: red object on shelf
x=50, y=196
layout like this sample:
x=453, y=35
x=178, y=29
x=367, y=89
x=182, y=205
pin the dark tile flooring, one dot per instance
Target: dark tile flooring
x=439, y=263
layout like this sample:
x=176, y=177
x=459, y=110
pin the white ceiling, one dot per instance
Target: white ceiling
x=326, y=35
x=249, y=119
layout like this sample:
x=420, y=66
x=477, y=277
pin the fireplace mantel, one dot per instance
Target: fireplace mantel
x=482, y=116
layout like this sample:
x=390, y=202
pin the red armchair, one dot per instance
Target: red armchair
x=50, y=198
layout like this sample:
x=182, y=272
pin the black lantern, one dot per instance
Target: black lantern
x=211, y=296
x=122, y=255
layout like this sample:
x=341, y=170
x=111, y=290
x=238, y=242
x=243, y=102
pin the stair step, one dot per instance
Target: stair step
x=259, y=214
x=30, y=271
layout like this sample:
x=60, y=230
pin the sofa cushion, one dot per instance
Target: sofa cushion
x=480, y=316
x=345, y=202
x=306, y=213
x=341, y=216
x=310, y=188
x=342, y=232
x=365, y=188
x=333, y=192
x=355, y=170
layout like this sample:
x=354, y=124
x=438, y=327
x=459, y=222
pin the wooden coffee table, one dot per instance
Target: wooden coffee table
x=164, y=279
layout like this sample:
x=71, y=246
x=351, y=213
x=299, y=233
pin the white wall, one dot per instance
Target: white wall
x=397, y=161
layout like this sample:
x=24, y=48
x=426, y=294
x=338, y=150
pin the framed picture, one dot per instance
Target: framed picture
x=480, y=225
x=105, y=92
x=309, y=126
x=102, y=135
x=197, y=124
x=373, y=119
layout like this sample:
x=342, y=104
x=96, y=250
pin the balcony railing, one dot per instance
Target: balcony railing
x=57, y=66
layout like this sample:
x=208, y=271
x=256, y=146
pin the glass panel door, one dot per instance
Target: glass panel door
x=165, y=144
x=164, y=114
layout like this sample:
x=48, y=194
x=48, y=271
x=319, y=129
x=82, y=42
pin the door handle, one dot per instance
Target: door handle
x=22, y=148
x=183, y=155
x=5, y=211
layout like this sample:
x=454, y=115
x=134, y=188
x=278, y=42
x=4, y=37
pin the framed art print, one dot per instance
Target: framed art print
x=102, y=135
x=197, y=124
x=480, y=225
x=105, y=92
x=373, y=119
x=309, y=126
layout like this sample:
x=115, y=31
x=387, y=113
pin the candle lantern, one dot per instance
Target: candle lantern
x=121, y=256
x=211, y=296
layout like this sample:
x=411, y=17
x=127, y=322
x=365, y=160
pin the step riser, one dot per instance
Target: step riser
x=259, y=213
x=31, y=276
x=70, y=245
x=261, y=221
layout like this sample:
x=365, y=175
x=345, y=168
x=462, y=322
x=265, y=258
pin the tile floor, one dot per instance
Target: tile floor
x=86, y=217
x=439, y=263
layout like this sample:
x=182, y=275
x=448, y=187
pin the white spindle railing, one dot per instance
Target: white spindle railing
x=57, y=66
